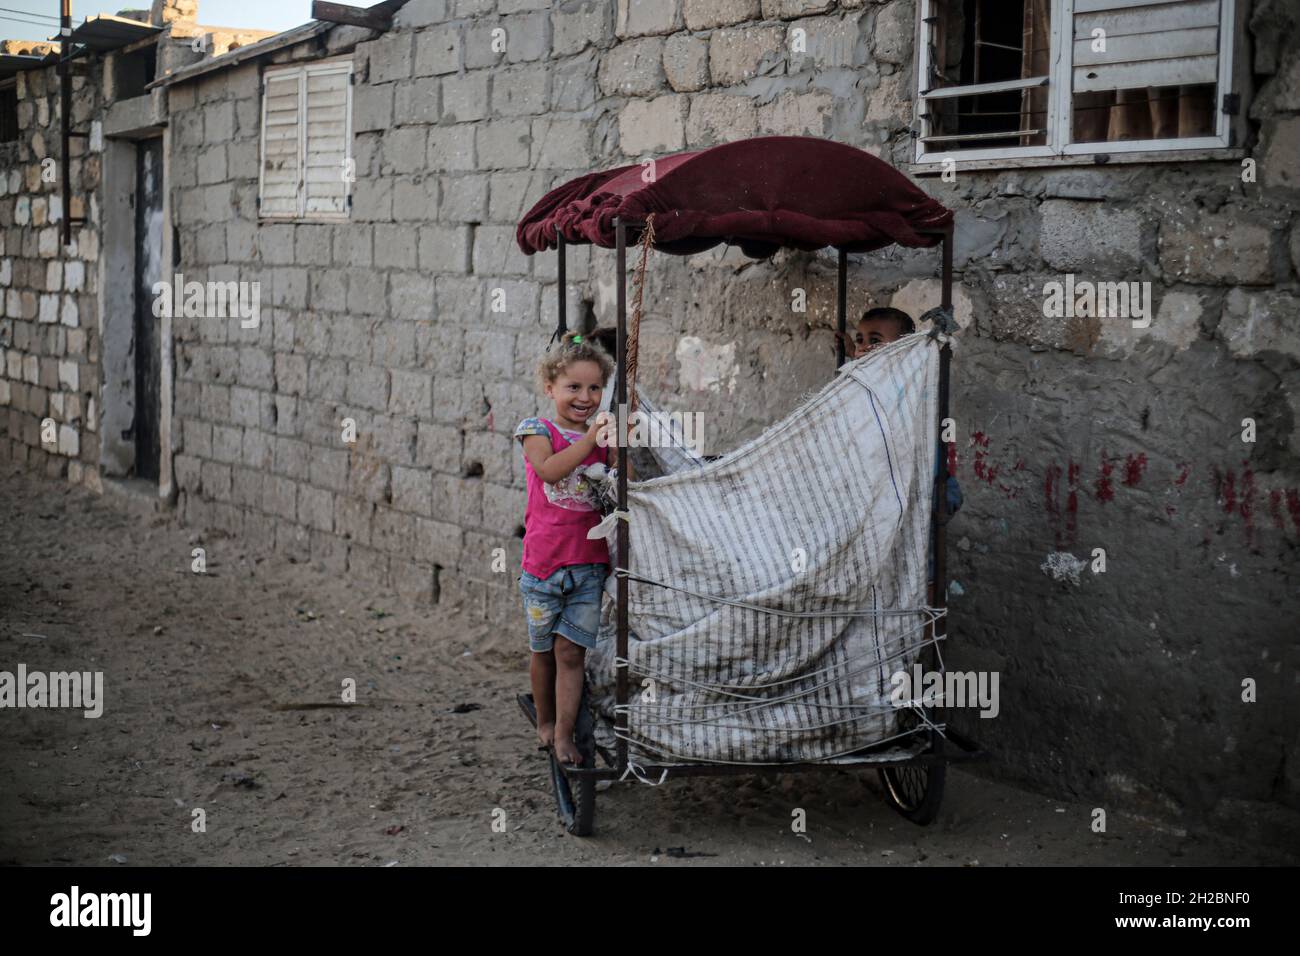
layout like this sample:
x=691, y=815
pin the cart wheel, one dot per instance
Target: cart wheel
x=916, y=790
x=575, y=803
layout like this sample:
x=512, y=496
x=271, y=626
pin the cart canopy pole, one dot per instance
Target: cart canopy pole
x=941, y=479
x=620, y=403
x=562, y=288
x=841, y=306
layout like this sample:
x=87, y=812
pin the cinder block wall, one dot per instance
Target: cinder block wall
x=49, y=335
x=1124, y=687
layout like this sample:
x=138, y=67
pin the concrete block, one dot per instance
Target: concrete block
x=464, y=198
x=504, y=144
x=405, y=150
x=1227, y=246
x=653, y=126
x=520, y=90
x=464, y=98
x=445, y=248
x=707, y=14
x=395, y=245
x=415, y=199
x=452, y=147
x=633, y=68
x=686, y=62
x=720, y=118
x=372, y=107
x=739, y=54
x=1084, y=235
x=390, y=57
x=797, y=114
x=577, y=24
x=410, y=298
x=417, y=101
x=528, y=37
x=438, y=51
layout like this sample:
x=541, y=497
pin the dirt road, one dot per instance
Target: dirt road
x=222, y=694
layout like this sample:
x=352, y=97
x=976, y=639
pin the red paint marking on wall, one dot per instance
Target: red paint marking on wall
x=1275, y=508
x=981, y=443
x=1105, y=490
x=1228, y=491
x=1072, y=503
x=1051, y=493
x=1247, y=506
x=1182, y=475
x=1134, y=466
x=1293, y=506
x=952, y=458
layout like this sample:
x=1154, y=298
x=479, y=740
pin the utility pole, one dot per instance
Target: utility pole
x=65, y=119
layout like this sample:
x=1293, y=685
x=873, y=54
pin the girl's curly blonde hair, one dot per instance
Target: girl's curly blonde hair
x=574, y=347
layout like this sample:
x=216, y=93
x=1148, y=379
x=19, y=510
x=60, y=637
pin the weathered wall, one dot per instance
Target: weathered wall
x=48, y=323
x=1124, y=687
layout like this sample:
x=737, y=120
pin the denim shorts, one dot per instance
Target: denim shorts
x=566, y=603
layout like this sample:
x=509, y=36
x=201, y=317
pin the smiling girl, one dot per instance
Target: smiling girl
x=563, y=571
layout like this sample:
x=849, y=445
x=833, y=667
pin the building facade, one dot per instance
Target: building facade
x=1126, y=556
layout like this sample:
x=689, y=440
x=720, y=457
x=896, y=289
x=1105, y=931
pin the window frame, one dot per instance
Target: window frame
x=303, y=71
x=1059, y=150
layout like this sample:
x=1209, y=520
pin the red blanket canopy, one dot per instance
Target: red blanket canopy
x=761, y=194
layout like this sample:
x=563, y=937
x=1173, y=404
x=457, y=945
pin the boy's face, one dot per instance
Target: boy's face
x=873, y=333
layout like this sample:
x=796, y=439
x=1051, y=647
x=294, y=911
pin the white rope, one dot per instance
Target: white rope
x=647, y=747
x=723, y=688
x=637, y=771
x=933, y=613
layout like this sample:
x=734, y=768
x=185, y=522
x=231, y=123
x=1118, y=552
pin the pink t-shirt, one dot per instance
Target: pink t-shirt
x=558, y=517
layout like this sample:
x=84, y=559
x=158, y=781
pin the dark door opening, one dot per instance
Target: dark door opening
x=148, y=333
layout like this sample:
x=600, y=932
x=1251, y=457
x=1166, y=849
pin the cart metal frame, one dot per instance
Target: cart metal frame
x=618, y=763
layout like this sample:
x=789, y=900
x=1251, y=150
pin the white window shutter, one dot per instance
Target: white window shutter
x=279, y=193
x=1148, y=44
x=326, y=178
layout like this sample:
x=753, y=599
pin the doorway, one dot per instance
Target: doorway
x=147, y=337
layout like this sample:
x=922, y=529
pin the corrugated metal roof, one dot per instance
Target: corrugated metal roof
x=260, y=48
x=104, y=32
x=11, y=63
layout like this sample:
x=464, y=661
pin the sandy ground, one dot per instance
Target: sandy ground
x=222, y=693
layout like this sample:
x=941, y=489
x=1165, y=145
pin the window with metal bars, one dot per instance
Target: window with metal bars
x=1007, y=79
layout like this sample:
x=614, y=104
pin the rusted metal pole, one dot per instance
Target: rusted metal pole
x=841, y=306
x=620, y=406
x=941, y=478
x=563, y=288
x=65, y=117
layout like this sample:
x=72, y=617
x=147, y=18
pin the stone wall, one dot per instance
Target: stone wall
x=48, y=318
x=1124, y=686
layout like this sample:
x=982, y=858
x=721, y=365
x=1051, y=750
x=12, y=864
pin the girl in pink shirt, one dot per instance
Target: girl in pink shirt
x=563, y=572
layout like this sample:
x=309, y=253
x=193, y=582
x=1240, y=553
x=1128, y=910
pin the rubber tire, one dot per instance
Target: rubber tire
x=577, y=804
x=901, y=783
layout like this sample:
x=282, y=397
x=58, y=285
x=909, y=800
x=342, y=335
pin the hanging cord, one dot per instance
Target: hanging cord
x=933, y=612
x=634, y=334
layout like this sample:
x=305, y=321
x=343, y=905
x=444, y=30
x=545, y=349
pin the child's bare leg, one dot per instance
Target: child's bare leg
x=568, y=696
x=542, y=673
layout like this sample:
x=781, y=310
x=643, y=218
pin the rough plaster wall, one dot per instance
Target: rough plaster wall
x=1123, y=687
x=49, y=336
